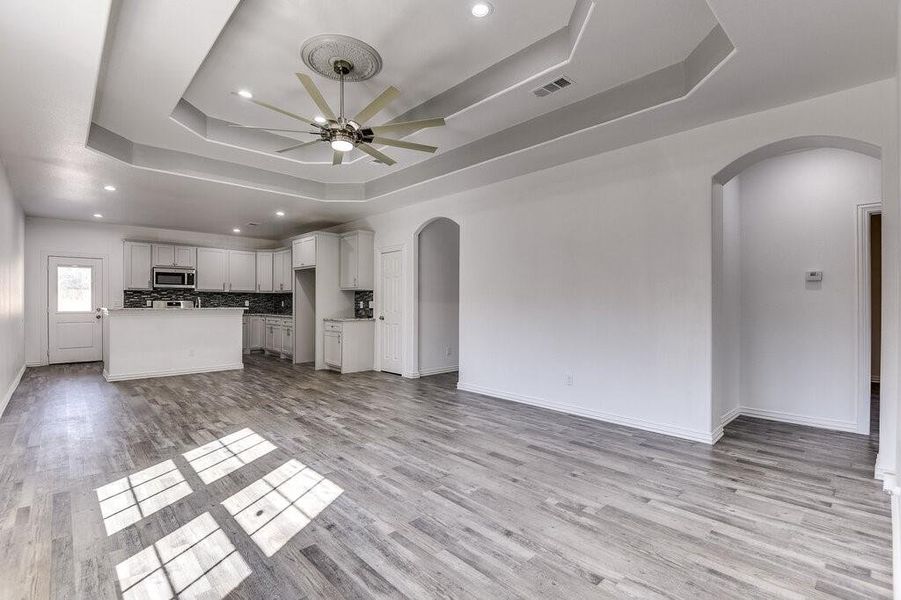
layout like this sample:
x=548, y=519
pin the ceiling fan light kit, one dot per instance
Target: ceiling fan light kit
x=344, y=59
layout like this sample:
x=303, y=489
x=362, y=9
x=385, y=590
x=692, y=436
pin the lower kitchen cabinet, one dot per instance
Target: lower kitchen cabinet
x=348, y=344
x=279, y=336
x=271, y=334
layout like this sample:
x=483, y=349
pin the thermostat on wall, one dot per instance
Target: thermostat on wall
x=814, y=276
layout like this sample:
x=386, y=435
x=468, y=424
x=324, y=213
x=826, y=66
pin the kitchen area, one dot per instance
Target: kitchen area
x=192, y=309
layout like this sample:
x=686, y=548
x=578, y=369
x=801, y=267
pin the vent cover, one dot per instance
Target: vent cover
x=554, y=86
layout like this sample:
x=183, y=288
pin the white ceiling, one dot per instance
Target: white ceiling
x=157, y=53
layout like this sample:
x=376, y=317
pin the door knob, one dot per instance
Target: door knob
x=382, y=318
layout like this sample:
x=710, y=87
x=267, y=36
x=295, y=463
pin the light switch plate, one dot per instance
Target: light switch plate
x=814, y=276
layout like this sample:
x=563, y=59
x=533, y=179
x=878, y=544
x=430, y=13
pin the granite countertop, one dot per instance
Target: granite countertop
x=273, y=315
x=348, y=319
x=138, y=311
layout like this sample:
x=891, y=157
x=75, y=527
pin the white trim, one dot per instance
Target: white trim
x=864, y=322
x=880, y=471
x=895, y=502
x=730, y=416
x=784, y=417
x=11, y=389
x=874, y=378
x=438, y=370
x=36, y=363
x=704, y=437
x=171, y=372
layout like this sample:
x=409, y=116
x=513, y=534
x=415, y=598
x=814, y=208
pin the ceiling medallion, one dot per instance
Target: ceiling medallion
x=321, y=52
x=346, y=59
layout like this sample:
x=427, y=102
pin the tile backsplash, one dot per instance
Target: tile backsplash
x=365, y=298
x=276, y=304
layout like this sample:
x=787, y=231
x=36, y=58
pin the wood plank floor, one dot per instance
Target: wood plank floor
x=445, y=495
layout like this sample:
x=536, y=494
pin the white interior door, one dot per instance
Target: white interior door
x=75, y=332
x=391, y=313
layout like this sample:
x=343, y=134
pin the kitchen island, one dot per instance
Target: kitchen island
x=158, y=342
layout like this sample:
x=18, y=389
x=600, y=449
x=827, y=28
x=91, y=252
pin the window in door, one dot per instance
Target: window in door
x=73, y=289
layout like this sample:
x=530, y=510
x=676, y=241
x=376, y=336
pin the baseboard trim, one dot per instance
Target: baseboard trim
x=895, y=502
x=671, y=430
x=170, y=373
x=438, y=370
x=784, y=417
x=4, y=402
x=36, y=363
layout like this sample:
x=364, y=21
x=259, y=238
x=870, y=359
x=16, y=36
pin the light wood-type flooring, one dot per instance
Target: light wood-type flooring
x=380, y=487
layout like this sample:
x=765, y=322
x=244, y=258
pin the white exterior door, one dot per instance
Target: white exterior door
x=391, y=313
x=74, y=286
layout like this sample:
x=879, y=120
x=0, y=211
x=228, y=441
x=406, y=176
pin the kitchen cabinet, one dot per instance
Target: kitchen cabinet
x=257, y=332
x=304, y=252
x=185, y=256
x=279, y=336
x=242, y=271
x=167, y=255
x=348, y=344
x=356, y=260
x=265, y=271
x=212, y=270
x=245, y=335
x=282, y=271
x=138, y=265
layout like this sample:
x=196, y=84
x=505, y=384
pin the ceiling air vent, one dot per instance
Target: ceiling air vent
x=252, y=224
x=554, y=86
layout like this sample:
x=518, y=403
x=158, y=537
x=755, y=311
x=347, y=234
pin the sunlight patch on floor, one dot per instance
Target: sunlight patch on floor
x=220, y=457
x=277, y=507
x=128, y=500
x=196, y=560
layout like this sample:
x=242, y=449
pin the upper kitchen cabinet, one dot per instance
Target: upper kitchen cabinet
x=138, y=264
x=356, y=260
x=212, y=270
x=242, y=271
x=167, y=255
x=304, y=253
x=282, y=273
x=265, y=271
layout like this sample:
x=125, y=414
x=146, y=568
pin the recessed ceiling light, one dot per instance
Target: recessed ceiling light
x=110, y=188
x=481, y=9
x=320, y=119
x=98, y=216
x=279, y=213
x=236, y=230
x=245, y=94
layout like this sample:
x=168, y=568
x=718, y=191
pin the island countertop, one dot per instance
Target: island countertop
x=139, y=311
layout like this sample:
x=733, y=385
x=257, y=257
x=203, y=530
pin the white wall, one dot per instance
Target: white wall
x=601, y=268
x=45, y=237
x=439, y=297
x=797, y=342
x=726, y=304
x=12, y=291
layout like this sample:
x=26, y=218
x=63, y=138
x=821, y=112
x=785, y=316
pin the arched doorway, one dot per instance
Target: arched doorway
x=436, y=319
x=791, y=286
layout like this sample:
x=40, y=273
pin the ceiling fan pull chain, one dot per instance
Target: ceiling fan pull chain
x=342, y=97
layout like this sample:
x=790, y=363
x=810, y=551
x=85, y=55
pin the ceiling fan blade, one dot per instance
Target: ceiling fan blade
x=381, y=101
x=296, y=146
x=271, y=129
x=337, y=158
x=281, y=111
x=407, y=127
x=383, y=158
x=403, y=144
x=316, y=95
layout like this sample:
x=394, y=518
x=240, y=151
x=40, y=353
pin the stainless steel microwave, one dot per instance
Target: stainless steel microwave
x=172, y=277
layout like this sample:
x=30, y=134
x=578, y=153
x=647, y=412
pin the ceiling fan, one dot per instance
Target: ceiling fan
x=345, y=134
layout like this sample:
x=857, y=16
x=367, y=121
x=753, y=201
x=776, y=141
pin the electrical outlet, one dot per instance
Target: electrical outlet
x=247, y=303
x=568, y=379
x=150, y=303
